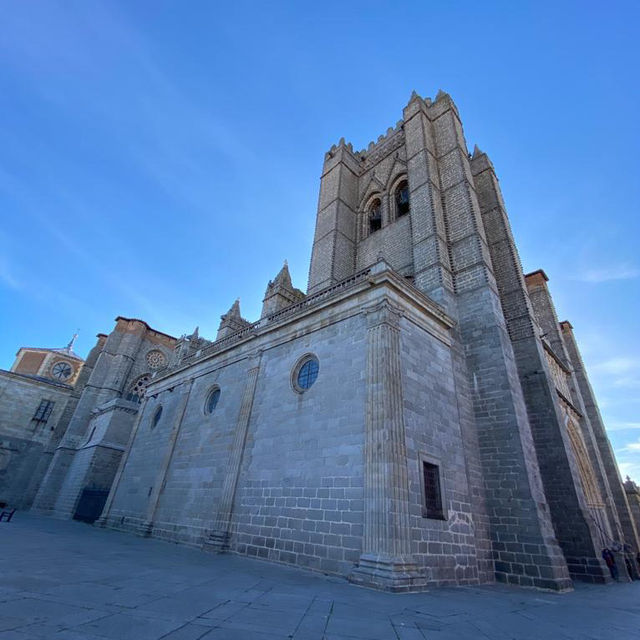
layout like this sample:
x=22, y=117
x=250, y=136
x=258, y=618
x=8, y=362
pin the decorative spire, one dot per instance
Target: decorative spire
x=231, y=321
x=72, y=341
x=234, y=311
x=284, y=277
x=280, y=292
x=196, y=334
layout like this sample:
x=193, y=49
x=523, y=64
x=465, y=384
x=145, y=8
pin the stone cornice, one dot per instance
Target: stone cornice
x=50, y=384
x=117, y=404
x=346, y=299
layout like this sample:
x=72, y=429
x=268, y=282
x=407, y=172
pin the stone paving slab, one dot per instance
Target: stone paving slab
x=65, y=580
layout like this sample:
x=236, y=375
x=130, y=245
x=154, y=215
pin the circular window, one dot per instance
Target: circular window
x=156, y=359
x=61, y=370
x=212, y=400
x=156, y=417
x=305, y=373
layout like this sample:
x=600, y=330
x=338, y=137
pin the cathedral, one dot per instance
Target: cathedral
x=419, y=417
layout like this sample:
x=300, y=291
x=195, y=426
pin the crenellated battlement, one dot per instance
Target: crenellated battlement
x=392, y=138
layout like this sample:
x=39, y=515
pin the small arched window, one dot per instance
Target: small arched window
x=402, y=199
x=375, y=216
x=212, y=400
x=156, y=417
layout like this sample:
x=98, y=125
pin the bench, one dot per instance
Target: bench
x=6, y=515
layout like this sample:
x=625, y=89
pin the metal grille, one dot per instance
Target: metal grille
x=43, y=411
x=308, y=373
x=375, y=217
x=432, y=493
x=402, y=199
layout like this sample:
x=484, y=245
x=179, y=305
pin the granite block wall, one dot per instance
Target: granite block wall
x=446, y=549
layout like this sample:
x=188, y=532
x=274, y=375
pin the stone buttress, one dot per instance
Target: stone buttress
x=574, y=525
x=87, y=458
x=609, y=469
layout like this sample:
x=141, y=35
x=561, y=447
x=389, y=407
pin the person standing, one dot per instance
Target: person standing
x=610, y=562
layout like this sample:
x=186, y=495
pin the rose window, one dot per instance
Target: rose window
x=138, y=389
x=61, y=370
x=156, y=359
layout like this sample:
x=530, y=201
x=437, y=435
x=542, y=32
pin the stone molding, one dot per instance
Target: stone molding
x=420, y=310
x=116, y=404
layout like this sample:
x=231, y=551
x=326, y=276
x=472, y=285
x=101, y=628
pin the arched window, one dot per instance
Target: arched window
x=402, y=199
x=375, y=216
x=212, y=400
x=156, y=417
x=138, y=389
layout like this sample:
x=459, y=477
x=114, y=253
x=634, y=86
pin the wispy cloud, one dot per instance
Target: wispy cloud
x=164, y=130
x=7, y=276
x=616, y=366
x=622, y=425
x=631, y=469
x=607, y=274
x=8, y=270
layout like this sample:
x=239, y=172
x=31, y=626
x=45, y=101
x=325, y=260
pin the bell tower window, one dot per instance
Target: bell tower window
x=402, y=199
x=375, y=217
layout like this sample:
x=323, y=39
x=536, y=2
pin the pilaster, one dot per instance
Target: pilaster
x=161, y=477
x=386, y=561
x=221, y=532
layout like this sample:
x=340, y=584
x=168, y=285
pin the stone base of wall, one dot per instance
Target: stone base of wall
x=395, y=574
x=191, y=536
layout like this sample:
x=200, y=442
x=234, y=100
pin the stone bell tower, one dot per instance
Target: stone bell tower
x=433, y=211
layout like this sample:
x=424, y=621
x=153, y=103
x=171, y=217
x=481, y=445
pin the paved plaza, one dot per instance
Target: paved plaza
x=63, y=579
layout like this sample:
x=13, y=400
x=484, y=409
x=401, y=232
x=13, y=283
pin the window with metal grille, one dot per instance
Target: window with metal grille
x=432, y=491
x=43, y=411
x=375, y=217
x=402, y=199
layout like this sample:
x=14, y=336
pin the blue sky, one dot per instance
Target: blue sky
x=160, y=159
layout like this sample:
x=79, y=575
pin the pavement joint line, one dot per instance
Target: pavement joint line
x=292, y=635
